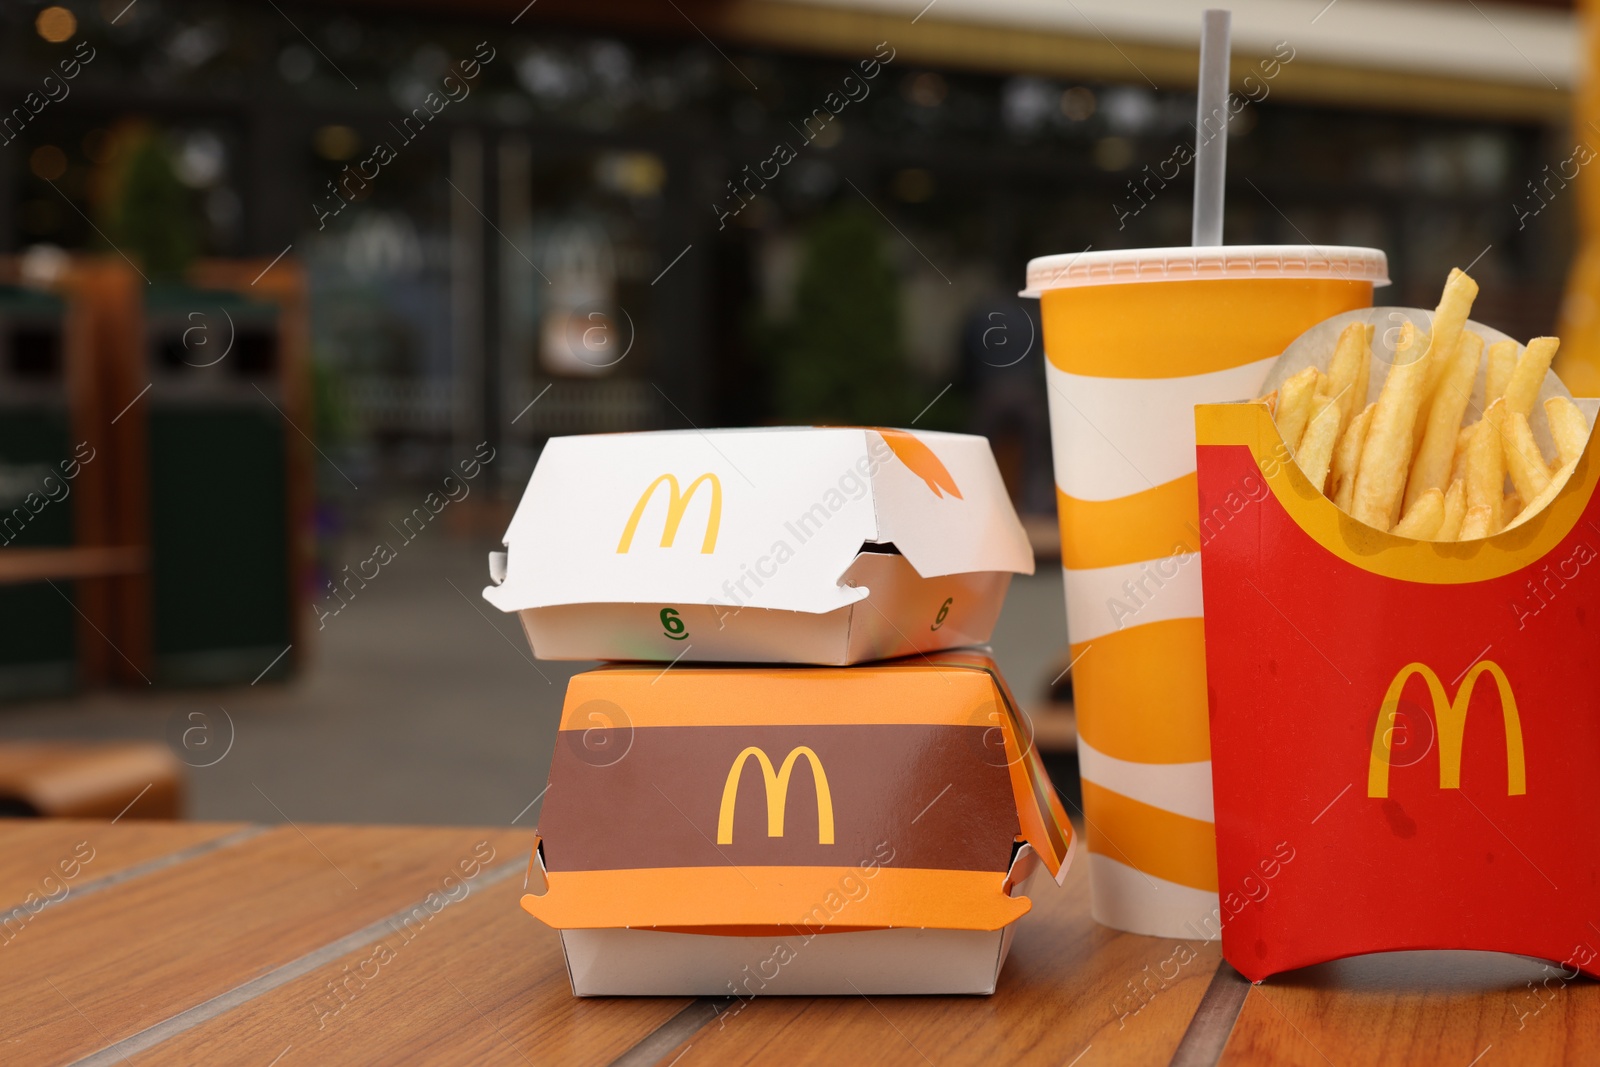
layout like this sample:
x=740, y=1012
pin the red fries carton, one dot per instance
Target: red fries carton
x=1403, y=733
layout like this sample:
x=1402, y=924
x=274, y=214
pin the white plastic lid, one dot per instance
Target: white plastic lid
x=1190, y=264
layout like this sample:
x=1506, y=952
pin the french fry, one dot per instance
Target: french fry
x=1423, y=519
x=1558, y=481
x=1528, y=375
x=1569, y=428
x=1523, y=461
x=1423, y=342
x=1316, y=446
x=1358, y=391
x=1405, y=462
x=1431, y=468
x=1347, y=458
x=1345, y=367
x=1455, y=304
x=1455, y=510
x=1463, y=439
x=1294, y=406
x=1502, y=360
x=1476, y=523
x=1486, y=467
x=1385, y=458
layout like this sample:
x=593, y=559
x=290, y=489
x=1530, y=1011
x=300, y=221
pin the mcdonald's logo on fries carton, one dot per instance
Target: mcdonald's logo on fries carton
x=1418, y=720
x=741, y=831
x=827, y=546
x=1450, y=725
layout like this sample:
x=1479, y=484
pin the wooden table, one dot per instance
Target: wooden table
x=212, y=943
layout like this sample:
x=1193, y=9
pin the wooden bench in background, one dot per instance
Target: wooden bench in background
x=137, y=780
x=22, y=565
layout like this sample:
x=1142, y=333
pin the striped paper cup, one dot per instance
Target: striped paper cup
x=1133, y=341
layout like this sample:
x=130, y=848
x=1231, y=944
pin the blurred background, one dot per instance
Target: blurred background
x=270, y=272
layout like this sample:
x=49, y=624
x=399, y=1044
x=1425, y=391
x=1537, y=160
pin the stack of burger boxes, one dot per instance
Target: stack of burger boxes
x=788, y=780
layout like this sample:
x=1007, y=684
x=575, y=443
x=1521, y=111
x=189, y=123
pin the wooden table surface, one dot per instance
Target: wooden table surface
x=157, y=943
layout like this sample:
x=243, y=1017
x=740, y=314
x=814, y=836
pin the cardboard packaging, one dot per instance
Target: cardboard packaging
x=1135, y=338
x=827, y=546
x=742, y=831
x=1403, y=733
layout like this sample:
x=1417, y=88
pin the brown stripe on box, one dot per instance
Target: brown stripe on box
x=931, y=796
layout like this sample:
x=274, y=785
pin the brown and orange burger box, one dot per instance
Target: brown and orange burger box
x=805, y=830
x=799, y=545
x=1404, y=733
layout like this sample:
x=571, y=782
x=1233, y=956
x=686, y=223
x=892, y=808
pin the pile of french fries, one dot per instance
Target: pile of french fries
x=1411, y=462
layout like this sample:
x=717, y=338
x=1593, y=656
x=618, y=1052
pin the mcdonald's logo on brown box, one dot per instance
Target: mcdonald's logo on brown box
x=697, y=817
x=777, y=783
x=1390, y=716
x=797, y=545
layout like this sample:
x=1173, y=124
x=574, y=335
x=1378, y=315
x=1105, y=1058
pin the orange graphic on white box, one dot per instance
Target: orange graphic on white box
x=1451, y=717
x=920, y=460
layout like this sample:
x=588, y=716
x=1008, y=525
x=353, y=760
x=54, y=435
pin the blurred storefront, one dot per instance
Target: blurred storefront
x=519, y=221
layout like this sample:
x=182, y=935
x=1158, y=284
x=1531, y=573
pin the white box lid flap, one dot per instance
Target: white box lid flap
x=766, y=518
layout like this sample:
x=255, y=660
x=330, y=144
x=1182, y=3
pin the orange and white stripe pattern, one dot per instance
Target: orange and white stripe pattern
x=1126, y=364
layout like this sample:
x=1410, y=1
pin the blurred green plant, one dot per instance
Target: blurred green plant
x=145, y=211
x=840, y=358
x=333, y=419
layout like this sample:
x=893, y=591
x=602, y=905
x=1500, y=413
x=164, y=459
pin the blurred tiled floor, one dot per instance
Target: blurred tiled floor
x=420, y=705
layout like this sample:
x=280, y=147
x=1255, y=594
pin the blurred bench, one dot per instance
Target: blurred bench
x=20, y=565
x=58, y=779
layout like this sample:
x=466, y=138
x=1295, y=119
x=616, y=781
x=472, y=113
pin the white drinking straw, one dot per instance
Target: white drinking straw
x=1211, y=128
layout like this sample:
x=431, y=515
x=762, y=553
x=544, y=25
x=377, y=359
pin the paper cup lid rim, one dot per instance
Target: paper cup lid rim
x=1187, y=263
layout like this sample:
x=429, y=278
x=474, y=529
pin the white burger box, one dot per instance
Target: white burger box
x=751, y=831
x=784, y=545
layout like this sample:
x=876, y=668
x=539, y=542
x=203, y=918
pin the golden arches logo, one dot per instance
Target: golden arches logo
x=777, y=783
x=1451, y=716
x=677, y=503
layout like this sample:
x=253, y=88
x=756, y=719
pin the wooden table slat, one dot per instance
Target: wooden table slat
x=1405, y=1008
x=37, y=849
x=119, y=961
x=482, y=983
